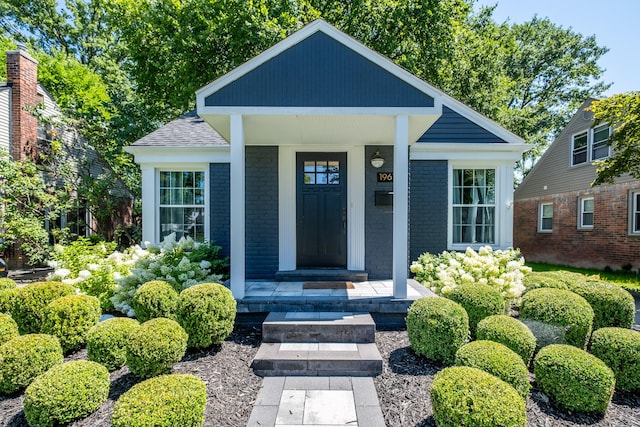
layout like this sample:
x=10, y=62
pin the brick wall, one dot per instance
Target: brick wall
x=261, y=198
x=22, y=72
x=220, y=205
x=606, y=245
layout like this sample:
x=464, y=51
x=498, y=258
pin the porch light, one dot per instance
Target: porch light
x=377, y=161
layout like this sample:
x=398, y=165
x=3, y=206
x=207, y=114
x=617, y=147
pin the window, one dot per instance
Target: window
x=589, y=146
x=474, y=206
x=321, y=172
x=182, y=204
x=585, y=220
x=634, y=213
x=545, y=222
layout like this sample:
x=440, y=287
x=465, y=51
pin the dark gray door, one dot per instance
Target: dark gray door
x=321, y=210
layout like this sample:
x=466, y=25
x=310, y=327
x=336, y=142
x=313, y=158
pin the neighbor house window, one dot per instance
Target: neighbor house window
x=474, y=206
x=586, y=213
x=182, y=204
x=590, y=145
x=545, y=222
x=634, y=213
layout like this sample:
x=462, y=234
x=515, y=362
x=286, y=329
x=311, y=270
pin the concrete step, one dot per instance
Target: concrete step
x=318, y=359
x=321, y=275
x=319, y=327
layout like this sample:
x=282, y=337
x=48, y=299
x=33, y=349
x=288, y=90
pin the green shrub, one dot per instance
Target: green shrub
x=25, y=357
x=510, y=332
x=479, y=301
x=575, y=379
x=468, y=397
x=612, y=306
x=165, y=401
x=437, y=328
x=7, y=298
x=107, y=341
x=562, y=308
x=29, y=304
x=619, y=349
x=155, y=346
x=8, y=328
x=70, y=318
x=66, y=392
x=6, y=283
x=156, y=298
x=206, y=312
x=498, y=360
x=537, y=280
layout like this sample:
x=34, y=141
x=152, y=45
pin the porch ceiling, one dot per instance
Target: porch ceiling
x=325, y=129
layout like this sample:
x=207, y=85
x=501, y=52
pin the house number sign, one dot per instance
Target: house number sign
x=385, y=176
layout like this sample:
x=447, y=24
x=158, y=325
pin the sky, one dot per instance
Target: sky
x=615, y=23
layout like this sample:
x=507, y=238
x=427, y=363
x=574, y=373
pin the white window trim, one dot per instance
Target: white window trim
x=590, y=135
x=159, y=206
x=581, y=202
x=540, y=217
x=503, y=204
x=634, y=207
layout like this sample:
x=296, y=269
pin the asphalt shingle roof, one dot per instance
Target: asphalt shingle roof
x=188, y=130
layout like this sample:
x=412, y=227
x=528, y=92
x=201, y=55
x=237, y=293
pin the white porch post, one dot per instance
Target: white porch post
x=400, y=206
x=237, y=226
x=148, y=203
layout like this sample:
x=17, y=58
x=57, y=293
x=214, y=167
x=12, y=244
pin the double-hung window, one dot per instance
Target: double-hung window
x=545, y=218
x=590, y=145
x=585, y=213
x=182, y=204
x=474, y=206
x=634, y=213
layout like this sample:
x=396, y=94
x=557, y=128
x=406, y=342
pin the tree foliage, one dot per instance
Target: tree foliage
x=622, y=112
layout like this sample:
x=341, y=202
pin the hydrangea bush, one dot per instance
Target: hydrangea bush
x=500, y=269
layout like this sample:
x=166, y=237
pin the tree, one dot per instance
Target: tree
x=622, y=113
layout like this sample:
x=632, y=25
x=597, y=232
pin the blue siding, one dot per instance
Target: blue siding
x=452, y=127
x=378, y=220
x=261, y=198
x=428, y=204
x=220, y=205
x=319, y=72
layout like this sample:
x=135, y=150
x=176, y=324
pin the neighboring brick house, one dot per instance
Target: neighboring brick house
x=559, y=218
x=22, y=136
x=321, y=154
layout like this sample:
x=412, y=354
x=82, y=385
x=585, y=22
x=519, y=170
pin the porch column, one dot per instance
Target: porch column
x=148, y=203
x=400, y=206
x=237, y=220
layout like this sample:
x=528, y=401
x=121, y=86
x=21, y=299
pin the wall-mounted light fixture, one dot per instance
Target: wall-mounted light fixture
x=377, y=161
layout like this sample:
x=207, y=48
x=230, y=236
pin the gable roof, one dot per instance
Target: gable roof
x=188, y=130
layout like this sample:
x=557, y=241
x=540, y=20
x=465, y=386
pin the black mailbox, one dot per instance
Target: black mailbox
x=384, y=198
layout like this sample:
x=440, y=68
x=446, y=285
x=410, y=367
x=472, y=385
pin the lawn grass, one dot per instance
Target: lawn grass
x=627, y=280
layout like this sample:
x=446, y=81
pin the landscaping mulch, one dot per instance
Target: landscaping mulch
x=403, y=388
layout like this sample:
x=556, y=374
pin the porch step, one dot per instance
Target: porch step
x=318, y=327
x=322, y=275
x=318, y=359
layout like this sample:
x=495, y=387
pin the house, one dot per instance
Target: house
x=23, y=136
x=560, y=218
x=320, y=154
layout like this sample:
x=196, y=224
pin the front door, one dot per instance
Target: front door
x=321, y=210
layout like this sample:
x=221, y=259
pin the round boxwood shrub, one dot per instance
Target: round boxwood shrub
x=107, y=341
x=70, y=318
x=612, y=306
x=66, y=392
x=7, y=297
x=6, y=283
x=153, y=299
x=206, y=312
x=164, y=401
x=498, y=360
x=510, y=332
x=29, y=304
x=537, y=280
x=155, y=346
x=562, y=308
x=462, y=396
x=437, y=327
x=479, y=301
x=8, y=328
x=619, y=349
x=25, y=357
x=575, y=379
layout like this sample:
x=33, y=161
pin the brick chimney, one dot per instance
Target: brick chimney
x=22, y=72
